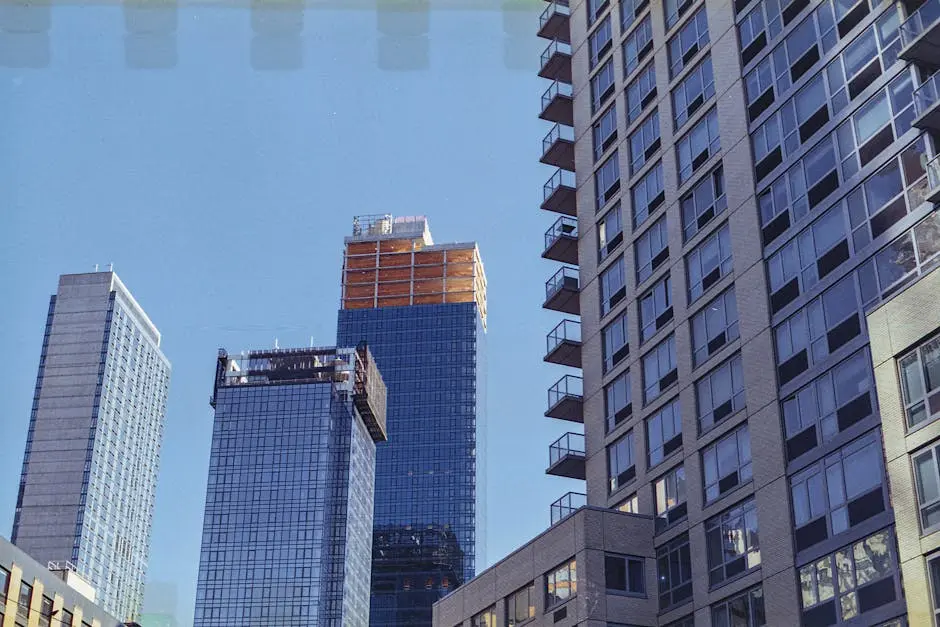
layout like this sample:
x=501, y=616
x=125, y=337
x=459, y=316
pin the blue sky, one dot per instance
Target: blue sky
x=221, y=183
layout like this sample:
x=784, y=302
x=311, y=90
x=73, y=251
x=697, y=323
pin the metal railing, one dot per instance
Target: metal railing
x=554, y=90
x=559, y=178
x=568, y=504
x=569, y=444
x=569, y=386
x=559, y=132
x=566, y=275
x=566, y=331
x=933, y=173
x=926, y=95
x=919, y=21
x=563, y=226
x=551, y=9
x=557, y=47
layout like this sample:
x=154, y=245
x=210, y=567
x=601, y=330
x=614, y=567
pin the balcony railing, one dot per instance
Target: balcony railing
x=565, y=278
x=566, y=398
x=933, y=179
x=556, y=61
x=558, y=133
x=921, y=22
x=570, y=444
x=925, y=100
x=554, y=21
x=568, y=504
x=567, y=331
x=554, y=7
x=563, y=227
x=555, y=90
x=558, y=193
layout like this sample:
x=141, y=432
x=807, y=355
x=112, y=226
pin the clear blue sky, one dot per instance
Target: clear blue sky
x=221, y=189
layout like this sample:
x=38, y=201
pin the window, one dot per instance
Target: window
x=694, y=91
x=687, y=42
x=850, y=582
x=655, y=308
x=708, y=262
x=602, y=85
x=664, y=433
x=698, y=146
x=4, y=581
x=674, y=563
x=630, y=10
x=644, y=142
x=920, y=380
x=714, y=326
x=933, y=568
x=605, y=131
x=727, y=463
x=615, y=343
x=743, y=610
x=652, y=250
x=754, y=33
x=733, y=542
x=613, y=286
x=620, y=467
x=910, y=255
x=607, y=180
x=828, y=405
x=599, y=42
x=838, y=492
x=623, y=573
x=45, y=612
x=486, y=618
x=617, y=404
x=669, y=491
x=561, y=584
x=630, y=505
x=720, y=393
x=595, y=8
x=638, y=45
x=688, y=621
x=641, y=92
x=520, y=606
x=609, y=232
x=674, y=9
x=65, y=618
x=659, y=369
x=648, y=194
x=927, y=480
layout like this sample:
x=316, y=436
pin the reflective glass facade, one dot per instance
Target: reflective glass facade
x=429, y=517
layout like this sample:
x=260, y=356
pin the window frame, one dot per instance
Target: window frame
x=687, y=163
x=701, y=76
x=644, y=142
x=926, y=396
x=512, y=607
x=621, y=472
x=650, y=204
x=637, y=45
x=607, y=180
x=703, y=326
x=662, y=353
x=743, y=468
x=607, y=242
x=670, y=498
x=618, y=390
x=607, y=121
x=681, y=50
x=551, y=579
x=616, y=329
x=709, y=415
x=629, y=561
x=660, y=438
x=612, y=291
x=698, y=273
x=636, y=98
x=674, y=558
x=602, y=92
x=595, y=53
x=735, y=523
x=660, y=293
x=755, y=617
x=648, y=259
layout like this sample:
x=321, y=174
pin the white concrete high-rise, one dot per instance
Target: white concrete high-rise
x=89, y=475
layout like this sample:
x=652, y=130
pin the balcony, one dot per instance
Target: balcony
x=566, y=399
x=927, y=104
x=561, y=241
x=566, y=456
x=556, y=62
x=553, y=24
x=567, y=505
x=558, y=147
x=558, y=193
x=920, y=36
x=933, y=180
x=558, y=104
x=561, y=292
x=563, y=344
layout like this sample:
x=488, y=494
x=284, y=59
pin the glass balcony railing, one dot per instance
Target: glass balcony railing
x=560, y=47
x=569, y=386
x=559, y=132
x=926, y=95
x=933, y=175
x=553, y=8
x=567, y=505
x=554, y=90
x=566, y=331
x=914, y=26
x=565, y=278
x=569, y=444
x=563, y=227
x=561, y=178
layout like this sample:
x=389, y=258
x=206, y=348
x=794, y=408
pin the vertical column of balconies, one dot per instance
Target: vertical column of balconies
x=562, y=293
x=920, y=41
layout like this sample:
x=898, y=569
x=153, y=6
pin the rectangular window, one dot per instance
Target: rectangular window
x=623, y=573
x=669, y=491
x=648, y=194
x=638, y=45
x=850, y=582
x=65, y=618
x=594, y=9
x=602, y=85
x=607, y=180
x=659, y=369
x=644, y=142
x=919, y=372
x=612, y=286
x=4, y=582
x=674, y=564
x=520, y=606
x=693, y=92
x=838, y=492
x=663, y=433
x=609, y=232
x=709, y=262
x=615, y=342
x=605, y=132
x=674, y=9
x=685, y=44
x=45, y=612
x=621, y=469
x=756, y=31
x=720, y=393
x=641, y=92
x=652, y=250
x=617, y=403
x=23, y=601
x=743, y=610
x=486, y=618
x=733, y=542
x=630, y=505
x=698, y=146
x=561, y=584
x=927, y=480
x=727, y=463
x=714, y=326
x=600, y=41
x=933, y=568
x=630, y=10
x=655, y=309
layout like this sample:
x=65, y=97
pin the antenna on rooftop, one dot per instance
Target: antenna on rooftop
x=275, y=343
x=311, y=341
x=110, y=267
x=96, y=267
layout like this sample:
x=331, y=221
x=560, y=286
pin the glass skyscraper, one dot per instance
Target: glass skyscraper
x=287, y=532
x=89, y=475
x=422, y=309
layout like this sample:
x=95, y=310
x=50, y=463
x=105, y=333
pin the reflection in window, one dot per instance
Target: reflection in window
x=520, y=606
x=561, y=584
x=669, y=491
x=486, y=618
x=644, y=142
x=620, y=465
x=920, y=382
x=694, y=91
x=609, y=232
x=743, y=610
x=630, y=505
x=674, y=565
x=733, y=542
x=604, y=131
x=602, y=85
x=927, y=480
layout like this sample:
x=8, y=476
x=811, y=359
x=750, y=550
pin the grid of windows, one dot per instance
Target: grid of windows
x=920, y=381
x=613, y=286
x=720, y=393
x=624, y=573
x=604, y=131
x=621, y=468
x=609, y=232
x=674, y=564
x=733, y=542
x=685, y=44
x=693, y=92
x=663, y=433
x=659, y=369
x=743, y=610
x=638, y=45
x=644, y=142
x=520, y=606
x=709, y=262
x=607, y=180
x=617, y=403
x=641, y=92
x=655, y=308
x=698, y=146
x=561, y=584
x=669, y=491
x=648, y=194
x=727, y=463
x=615, y=341
x=714, y=326
x=652, y=249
